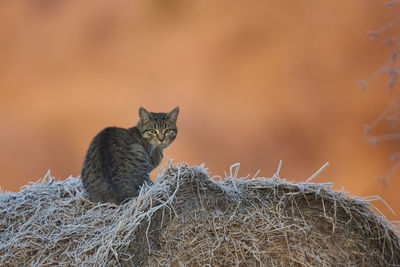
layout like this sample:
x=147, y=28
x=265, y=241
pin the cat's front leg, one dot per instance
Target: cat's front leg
x=156, y=155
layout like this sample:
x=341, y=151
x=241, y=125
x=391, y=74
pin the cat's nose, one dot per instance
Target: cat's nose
x=161, y=138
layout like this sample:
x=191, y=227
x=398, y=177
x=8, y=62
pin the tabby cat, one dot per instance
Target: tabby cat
x=120, y=160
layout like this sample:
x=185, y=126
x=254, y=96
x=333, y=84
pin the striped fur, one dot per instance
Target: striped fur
x=120, y=160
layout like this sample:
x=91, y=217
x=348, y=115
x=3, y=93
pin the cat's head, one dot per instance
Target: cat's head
x=158, y=128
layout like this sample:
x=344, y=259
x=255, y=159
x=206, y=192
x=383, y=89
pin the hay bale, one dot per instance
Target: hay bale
x=187, y=219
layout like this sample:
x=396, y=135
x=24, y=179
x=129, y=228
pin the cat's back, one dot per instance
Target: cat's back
x=113, y=136
x=111, y=144
x=109, y=140
x=111, y=156
x=104, y=146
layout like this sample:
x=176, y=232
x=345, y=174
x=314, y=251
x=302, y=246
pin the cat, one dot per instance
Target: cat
x=119, y=161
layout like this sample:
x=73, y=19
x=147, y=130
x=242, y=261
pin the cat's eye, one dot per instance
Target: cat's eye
x=167, y=131
x=153, y=131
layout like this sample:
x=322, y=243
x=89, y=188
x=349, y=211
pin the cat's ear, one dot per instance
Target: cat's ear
x=173, y=115
x=144, y=115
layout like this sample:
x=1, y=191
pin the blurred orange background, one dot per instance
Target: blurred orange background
x=256, y=82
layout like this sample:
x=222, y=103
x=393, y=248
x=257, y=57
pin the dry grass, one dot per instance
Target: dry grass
x=187, y=219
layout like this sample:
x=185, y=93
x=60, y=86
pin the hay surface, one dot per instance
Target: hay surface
x=186, y=219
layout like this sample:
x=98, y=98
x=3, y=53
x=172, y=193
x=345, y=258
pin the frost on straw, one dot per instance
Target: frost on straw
x=188, y=219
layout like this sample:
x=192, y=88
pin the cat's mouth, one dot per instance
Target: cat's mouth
x=163, y=143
